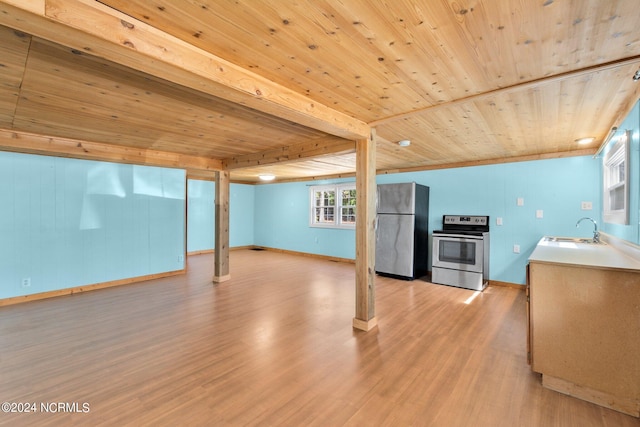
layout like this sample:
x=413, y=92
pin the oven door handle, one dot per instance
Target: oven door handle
x=458, y=236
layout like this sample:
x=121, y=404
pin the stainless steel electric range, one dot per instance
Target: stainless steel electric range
x=461, y=252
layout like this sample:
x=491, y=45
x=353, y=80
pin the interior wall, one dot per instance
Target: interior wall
x=556, y=187
x=282, y=221
x=67, y=223
x=201, y=215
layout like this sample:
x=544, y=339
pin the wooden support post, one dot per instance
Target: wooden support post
x=365, y=233
x=221, y=255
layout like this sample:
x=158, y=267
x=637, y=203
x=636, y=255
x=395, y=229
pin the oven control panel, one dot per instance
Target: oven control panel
x=465, y=220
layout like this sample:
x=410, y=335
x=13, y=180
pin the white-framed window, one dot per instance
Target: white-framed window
x=616, y=182
x=333, y=206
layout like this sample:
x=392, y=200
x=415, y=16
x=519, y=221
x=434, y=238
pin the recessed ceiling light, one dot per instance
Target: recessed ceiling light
x=266, y=177
x=583, y=141
x=404, y=143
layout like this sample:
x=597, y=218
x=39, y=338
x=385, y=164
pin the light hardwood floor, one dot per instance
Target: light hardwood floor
x=274, y=346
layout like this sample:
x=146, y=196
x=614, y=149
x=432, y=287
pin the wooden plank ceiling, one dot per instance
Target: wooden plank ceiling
x=467, y=81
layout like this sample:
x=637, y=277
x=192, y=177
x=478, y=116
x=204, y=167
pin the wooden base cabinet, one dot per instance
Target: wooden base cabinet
x=584, y=332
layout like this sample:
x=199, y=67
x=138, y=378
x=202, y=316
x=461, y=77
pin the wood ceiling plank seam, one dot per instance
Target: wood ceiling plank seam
x=586, y=20
x=616, y=100
x=76, y=121
x=523, y=14
x=173, y=59
x=313, y=77
x=524, y=29
x=543, y=126
x=303, y=71
x=303, y=46
x=309, y=78
x=536, y=107
x=455, y=45
x=292, y=153
x=527, y=14
x=583, y=90
x=389, y=62
x=520, y=86
x=402, y=58
x=483, y=162
x=100, y=94
x=446, y=123
x=487, y=35
x=459, y=20
x=463, y=133
x=14, y=48
x=481, y=134
x=344, y=63
x=625, y=108
x=31, y=143
x=244, y=46
x=581, y=102
x=19, y=64
x=551, y=41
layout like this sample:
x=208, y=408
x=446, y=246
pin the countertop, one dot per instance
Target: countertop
x=591, y=255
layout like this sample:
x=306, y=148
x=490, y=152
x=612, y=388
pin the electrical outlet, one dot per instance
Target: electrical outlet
x=516, y=249
x=26, y=282
x=180, y=258
x=586, y=206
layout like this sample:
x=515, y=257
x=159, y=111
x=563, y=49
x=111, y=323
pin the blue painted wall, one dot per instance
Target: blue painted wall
x=241, y=215
x=630, y=232
x=282, y=221
x=201, y=215
x=66, y=223
x=557, y=187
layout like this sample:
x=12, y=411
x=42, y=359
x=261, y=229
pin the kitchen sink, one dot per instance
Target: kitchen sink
x=570, y=240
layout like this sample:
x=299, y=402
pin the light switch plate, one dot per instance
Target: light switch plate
x=539, y=213
x=516, y=249
x=499, y=221
x=520, y=201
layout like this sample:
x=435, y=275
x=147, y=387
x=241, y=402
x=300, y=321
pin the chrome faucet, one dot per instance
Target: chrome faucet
x=596, y=233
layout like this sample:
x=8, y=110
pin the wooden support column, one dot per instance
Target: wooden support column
x=365, y=233
x=221, y=255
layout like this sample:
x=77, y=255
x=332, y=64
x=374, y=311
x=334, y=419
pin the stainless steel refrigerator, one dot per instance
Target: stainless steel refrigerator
x=402, y=230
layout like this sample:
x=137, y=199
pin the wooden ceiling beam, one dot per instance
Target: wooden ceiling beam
x=22, y=142
x=93, y=28
x=520, y=86
x=292, y=153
